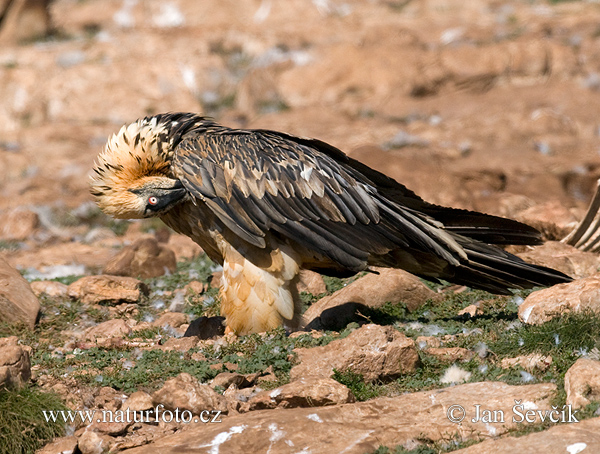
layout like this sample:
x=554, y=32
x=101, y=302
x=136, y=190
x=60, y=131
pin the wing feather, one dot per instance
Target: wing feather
x=260, y=181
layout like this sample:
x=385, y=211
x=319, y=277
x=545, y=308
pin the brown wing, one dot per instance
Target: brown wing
x=260, y=181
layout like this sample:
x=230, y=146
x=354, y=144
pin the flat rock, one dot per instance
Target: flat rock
x=361, y=427
x=582, y=437
x=531, y=362
x=53, y=289
x=18, y=303
x=579, y=295
x=305, y=392
x=565, y=258
x=334, y=312
x=145, y=258
x=61, y=445
x=376, y=352
x=186, y=393
x=107, y=289
x=15, y=366
x=582, y=382
x=110, y=328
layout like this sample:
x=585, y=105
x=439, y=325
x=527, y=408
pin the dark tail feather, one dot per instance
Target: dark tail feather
x=485, y=227
x=497, y=271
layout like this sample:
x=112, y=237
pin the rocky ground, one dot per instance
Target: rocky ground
x=478, y=104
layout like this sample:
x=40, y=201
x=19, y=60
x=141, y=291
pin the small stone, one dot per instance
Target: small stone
x=582, y=382
x=145, y=258
x=531, y=362
x=104, y=289
x=195, y=288
x=472, y=310
x=305, y=392
x=18, y=303
x=15, y=366
x=186, y=393
x=376, y=352
x=53, y=289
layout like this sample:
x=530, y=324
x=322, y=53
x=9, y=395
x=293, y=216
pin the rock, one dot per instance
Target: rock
x=107, y=289
x=391, y=285
x=552, y=219
x=356, y=428
x=305, y=392
x=18, y=303
x=450, y=354
x=93, y=443
x=24, y=20
x=61, y=445
x=15, y=366
x=582, y=382
x=138, y=401
x=145, y=258
x=195, y=288
x=173, y=319
x=579, y=295
x=108, y=329
x=226, y=379
x=53, y=289
x=472, y=310
x=18, y=224
x=376, y=352
x=180, y=344
x=583, y=437
x=206, y=327
x=186, y=393
x=184, y=247
x=563, y=257
x=311, y=282
x=529, y=362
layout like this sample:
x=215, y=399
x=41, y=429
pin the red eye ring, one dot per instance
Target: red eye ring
x=152, y=200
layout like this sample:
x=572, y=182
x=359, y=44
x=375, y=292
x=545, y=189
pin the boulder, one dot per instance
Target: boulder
x=18, y=303
x=15, y=366
x=582, y=382
x=579, y=295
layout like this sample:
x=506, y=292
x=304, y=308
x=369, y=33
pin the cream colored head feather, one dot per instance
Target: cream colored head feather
x=137, y=153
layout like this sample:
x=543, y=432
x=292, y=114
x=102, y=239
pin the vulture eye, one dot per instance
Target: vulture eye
x=152, y=200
